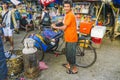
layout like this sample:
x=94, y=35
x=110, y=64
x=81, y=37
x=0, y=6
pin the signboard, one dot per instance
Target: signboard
x=81, y=7
x=46, y=2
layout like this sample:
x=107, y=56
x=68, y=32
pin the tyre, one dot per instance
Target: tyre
x=85, y=57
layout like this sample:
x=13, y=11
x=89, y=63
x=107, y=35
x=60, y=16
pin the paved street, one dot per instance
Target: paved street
x=107, y=66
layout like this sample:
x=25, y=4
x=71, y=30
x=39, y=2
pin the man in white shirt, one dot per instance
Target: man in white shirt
x=7, y=24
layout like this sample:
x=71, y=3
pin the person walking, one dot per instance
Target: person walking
x=8, y=24
x=70, y=36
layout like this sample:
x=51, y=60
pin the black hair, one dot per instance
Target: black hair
x=67, y=2
x=6, y=4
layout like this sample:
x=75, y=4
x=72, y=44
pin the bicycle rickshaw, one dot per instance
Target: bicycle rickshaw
x=48, y=40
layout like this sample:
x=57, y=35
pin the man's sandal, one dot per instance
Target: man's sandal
x=65, y=65
x=69, y=71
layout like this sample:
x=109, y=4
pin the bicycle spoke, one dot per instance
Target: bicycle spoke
x=86, y=57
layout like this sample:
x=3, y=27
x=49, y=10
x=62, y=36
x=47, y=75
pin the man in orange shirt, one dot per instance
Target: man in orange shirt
x=71, y=38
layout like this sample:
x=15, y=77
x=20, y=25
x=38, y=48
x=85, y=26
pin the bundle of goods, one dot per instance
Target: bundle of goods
x=14, y=62
x=47, y=40
x=84, y=43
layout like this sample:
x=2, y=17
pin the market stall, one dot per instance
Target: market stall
x=88, y=16
x=98, y=11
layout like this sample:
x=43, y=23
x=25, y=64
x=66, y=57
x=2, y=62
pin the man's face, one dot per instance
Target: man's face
x=4, y=5
x=67, y=7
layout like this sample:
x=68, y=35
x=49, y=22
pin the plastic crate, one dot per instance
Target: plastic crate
x=85, y=27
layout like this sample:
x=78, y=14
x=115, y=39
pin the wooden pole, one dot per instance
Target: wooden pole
x=116, y=20
x=99, y=13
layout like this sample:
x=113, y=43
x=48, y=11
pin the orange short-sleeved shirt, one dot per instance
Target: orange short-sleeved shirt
x=70, y=33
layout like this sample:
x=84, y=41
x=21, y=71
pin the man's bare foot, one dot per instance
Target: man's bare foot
x=74, y=70
x=66, y=66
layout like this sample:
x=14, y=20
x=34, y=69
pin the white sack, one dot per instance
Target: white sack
x=15, y=2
